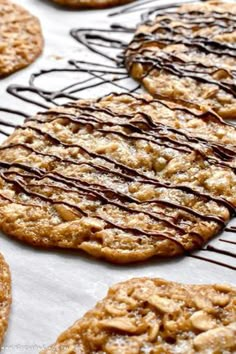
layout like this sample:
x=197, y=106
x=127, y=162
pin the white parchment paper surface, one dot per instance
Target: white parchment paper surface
x=53, y=289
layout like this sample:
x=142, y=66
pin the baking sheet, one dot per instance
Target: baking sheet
x=52, y=289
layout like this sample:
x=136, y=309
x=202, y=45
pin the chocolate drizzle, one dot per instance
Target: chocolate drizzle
x=231, y=229
x=150, y=5
x=85, y=119
x=6, y=122
x=228, y=241
x=102, y=193
x=164, y=34
x=93, y=75
x=213, y=261
x=98, y=39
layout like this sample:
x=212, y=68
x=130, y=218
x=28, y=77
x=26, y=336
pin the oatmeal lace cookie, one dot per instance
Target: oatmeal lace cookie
x=155, y=316
x=124, y=178
x=5, y=297
x=189, y=54
x=92, y=3
x=21, y=40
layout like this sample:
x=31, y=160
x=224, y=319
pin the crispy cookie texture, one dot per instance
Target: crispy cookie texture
x=5, y=297
x=156, y=316
x=189, y=54
x=96, y=4
x=124, y=177
x=21, y=40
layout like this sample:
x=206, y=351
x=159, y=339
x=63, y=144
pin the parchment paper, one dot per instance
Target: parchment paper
x=52, y=289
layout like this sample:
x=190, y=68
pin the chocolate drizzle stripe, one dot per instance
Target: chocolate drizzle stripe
x=220, y=251
x=210, y=260
x=88, y=38
x=7, y=123
x=173, y=69
x=227, y=241
x=104, y=78
x=99, y=74
x=84, y=189
x=220, y=150
x=175, y=144
x=63, y=179
x=231, y=229
x=148, y=136
x=135, y=231
x=13, y=111
x=191, y=15
x=20, y=203
x=4, y=133
x=211, y=115
x=103, y=169
x=164, y=34
x=129, y=170
x=15, y=90
x=83, y=120
x=201, y=43
x=136, y=7
x=68, y=182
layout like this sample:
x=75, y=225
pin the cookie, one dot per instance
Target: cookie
x=118, y=178
x=189, y=54
x=5, y=297
x=92, y=3
x=146, y=315
x=21, y=40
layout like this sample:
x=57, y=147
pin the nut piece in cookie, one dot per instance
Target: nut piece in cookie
x=21, y=40
x=123, y=178
x=155, y=316
x=189, y=54
x=5, y=297
x=96, y=4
